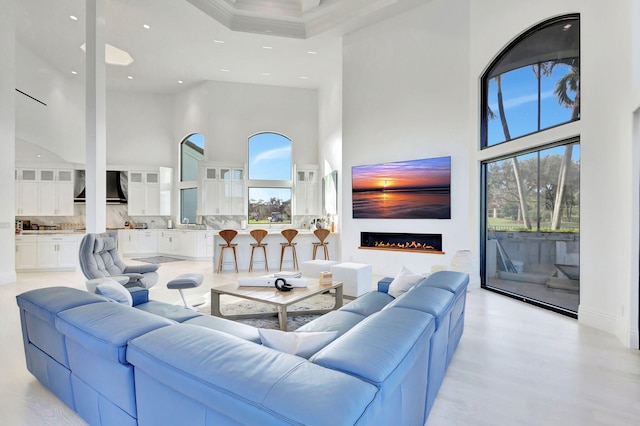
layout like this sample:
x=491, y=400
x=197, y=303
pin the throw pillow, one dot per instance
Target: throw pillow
x=403, y=282
x=302, y=343
x=114, y=291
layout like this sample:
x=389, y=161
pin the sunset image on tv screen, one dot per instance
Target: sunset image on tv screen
x=414, y=189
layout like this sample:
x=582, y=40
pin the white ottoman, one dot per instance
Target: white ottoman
x=355, y=277
x=312, y=268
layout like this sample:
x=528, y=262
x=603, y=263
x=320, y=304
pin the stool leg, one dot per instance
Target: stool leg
x=282, y=256
x=251, y=259
x=326, y=252
x=315, y=249
x=266, y=265
x=295, y=258
x=220, y=259
x=235, y=258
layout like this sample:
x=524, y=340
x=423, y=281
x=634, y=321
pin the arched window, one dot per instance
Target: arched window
x=269, y=178
x=531, y=199
x=534, y=83
x=191, y=152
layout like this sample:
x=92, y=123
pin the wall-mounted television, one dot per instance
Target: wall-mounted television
x=413, y=189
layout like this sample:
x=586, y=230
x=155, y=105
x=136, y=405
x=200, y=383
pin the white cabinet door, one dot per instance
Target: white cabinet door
x=26, y=252
x=144, y=194
x=147, y=241
x=67, y=254
x=26, y=192
x=210, y=191
x=127, y=241
x=189, y=244
x=306, y=191
x=169, y=242
x=222, y=191
x=47, y=255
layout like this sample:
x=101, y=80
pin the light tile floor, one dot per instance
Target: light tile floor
x=516, y=364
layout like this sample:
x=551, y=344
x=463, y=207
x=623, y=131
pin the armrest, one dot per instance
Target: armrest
x=139, y=295
x=383, y=284
x=133, y=276
x=141, y=269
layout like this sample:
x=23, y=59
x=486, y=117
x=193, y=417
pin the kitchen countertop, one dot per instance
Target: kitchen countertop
x=83, y=231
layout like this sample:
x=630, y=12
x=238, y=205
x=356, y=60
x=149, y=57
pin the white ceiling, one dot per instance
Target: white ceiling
x=181, y=41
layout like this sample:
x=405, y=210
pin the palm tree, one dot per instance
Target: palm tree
x=514, y=160
x=569, y=83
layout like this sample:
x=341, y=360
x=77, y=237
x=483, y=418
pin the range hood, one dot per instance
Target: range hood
x=116, y=192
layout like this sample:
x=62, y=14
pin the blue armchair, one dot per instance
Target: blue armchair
x=99, y=258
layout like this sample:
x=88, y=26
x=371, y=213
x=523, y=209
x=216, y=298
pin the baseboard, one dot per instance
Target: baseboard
x=8, y=277
x=610, y=324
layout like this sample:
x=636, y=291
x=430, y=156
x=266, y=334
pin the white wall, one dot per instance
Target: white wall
x=608, y=271
x=7, y=137
x=406, y=96
x=226, y=114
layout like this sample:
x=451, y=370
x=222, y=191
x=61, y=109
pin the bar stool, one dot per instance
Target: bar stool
x=289, y=235
x=322, y=234
x=258, y=235
x=228, y=235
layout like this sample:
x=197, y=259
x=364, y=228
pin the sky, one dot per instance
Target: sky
x=520, y=98
x=269, y=159
x=403, y=174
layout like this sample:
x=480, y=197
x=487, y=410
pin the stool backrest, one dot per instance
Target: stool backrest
x=228, y=235
x=322, y=234
x=258, y=234
x=289, y=234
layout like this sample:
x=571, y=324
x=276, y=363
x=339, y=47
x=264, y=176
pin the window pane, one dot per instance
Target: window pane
x=519, y=90
x=191, y=152
x=269, y=157
x=558, y=89
x=188, y=204
x=269, y=205
x=535, y=254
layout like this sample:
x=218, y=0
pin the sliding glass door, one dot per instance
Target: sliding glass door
x=532, y=226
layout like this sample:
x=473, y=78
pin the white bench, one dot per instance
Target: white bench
x=312, y=268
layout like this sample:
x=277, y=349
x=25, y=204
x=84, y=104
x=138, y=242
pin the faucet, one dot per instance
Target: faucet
x=185, y=221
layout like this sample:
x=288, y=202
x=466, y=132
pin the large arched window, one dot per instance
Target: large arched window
x=534, y=84
x=531, y=199
x=269, y=178
x=191, y=153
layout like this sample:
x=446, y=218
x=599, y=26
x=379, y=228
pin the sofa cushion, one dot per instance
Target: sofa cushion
x=403, y=282
x=105, y=328
x=166, y=310
x=368, y=303
x=114, y=291
x=234, y=328
x=435, y=301
x=340, y=321
x=300, y=343
x=249, y=383
x=455, y=282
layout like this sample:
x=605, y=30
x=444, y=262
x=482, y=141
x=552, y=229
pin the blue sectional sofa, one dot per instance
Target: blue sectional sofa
x=160, y=364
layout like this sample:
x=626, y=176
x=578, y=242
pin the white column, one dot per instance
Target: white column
x=96, y=142
x=7, y=141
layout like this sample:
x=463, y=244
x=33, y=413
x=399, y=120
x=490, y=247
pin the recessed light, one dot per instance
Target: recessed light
x=312, y=52
x=219, y=41
x=180, y=81
x=73, y=17
x=302, y=77
x=224, y=70
x=267, y=47
x=266, y=73
x=74, y=72
x=268, y=31
x=146, y=27
x=130, y=77
x=39, y=156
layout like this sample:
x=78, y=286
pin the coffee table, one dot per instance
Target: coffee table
x=281, y=300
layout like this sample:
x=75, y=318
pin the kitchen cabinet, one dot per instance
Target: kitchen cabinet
x=147, y=241
x=222, y=191
x=169, y=242
x=55, y=192
x=26, y=252
x=26, y=185
x=306, y=195
x=144, y=193
x=56, y=252
x=127, y=241
x=44, y=192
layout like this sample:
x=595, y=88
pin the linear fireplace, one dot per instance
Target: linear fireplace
x=402, y=241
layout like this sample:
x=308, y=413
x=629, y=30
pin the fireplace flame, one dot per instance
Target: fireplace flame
x=413, y=245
